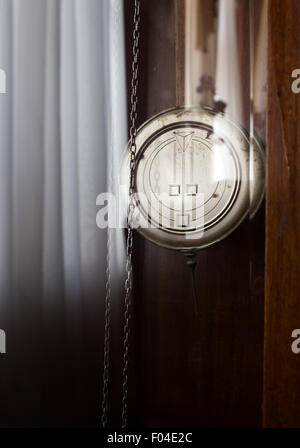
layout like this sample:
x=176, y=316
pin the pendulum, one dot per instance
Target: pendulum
x=192, y=183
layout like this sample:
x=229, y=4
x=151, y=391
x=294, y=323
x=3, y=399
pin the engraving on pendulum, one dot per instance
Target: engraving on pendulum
x=182, y=144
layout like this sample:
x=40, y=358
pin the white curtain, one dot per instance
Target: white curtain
x=63, y=122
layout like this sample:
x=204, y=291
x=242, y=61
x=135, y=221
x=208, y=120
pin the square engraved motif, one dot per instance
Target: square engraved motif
x=182, y=220
x=174, y=190
x=192, y=189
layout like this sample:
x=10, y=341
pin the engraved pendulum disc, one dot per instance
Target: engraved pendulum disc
x=195, y=180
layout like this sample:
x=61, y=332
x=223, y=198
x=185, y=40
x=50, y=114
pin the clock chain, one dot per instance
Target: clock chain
x=131, y=207
x=129, y=246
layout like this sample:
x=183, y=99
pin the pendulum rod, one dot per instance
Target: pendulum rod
x=192, y=263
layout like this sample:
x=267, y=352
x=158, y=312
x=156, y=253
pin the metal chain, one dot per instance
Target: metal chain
x=131, y=207
x=104, y=416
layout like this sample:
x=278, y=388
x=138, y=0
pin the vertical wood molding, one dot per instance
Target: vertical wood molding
x=282, y=306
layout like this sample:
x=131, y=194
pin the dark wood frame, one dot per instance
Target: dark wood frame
x=282, y=312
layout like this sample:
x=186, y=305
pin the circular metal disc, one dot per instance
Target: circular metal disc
x=196, y=178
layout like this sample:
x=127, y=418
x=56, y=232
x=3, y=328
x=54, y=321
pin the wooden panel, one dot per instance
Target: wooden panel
x=179, y=24
x=282, y=314
x=189, y=371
